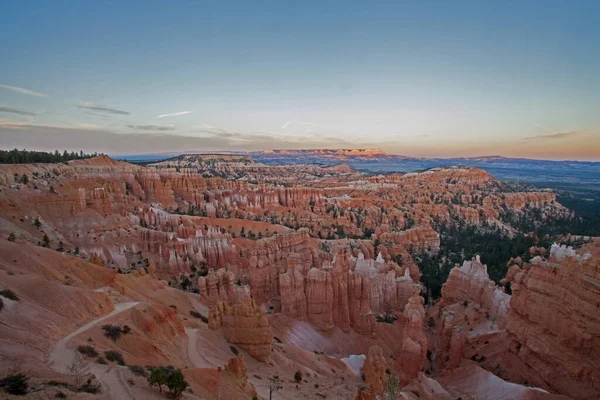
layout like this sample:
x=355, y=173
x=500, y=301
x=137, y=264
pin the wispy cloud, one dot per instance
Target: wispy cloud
x=559, y=135
x=22, y=90
x=17, y=111
x=175, y=114
x=157, y=128
x=306, y=124
x=6, y=124
x=101, y=108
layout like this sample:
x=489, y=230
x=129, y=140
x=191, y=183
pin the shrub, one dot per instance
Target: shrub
x=57, y=383
x=89, y=388
x=115, y=356
x=9, y=294
x=158, y=377
x=11, y=237
x=196, y=314
x=15, y=383
x=87, y=350
x=387, y=318
x=298, y=376
x=1, y=304
x=112, y=332
x=234, y=350
x=126, y=329
x=316, y=385
x=137, y=370
x=60, y=395
x=101, y=360
x=176, y=383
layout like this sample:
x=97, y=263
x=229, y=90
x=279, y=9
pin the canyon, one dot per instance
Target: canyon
x=241, y=273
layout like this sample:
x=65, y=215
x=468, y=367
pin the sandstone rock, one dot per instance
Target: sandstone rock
x=555, y=324
x=245, y=325
x=365, y=392
x=471, y=282
x=293, y=297
x=374, y=370
x=319, y=295
x=414, y=346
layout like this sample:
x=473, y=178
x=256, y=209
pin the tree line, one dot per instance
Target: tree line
x=16, y=156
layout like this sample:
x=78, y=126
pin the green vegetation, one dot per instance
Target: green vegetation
x=25, y=156
x=392, y=388
x=114, y=356
x=158, y=377
x=9, y=294
x=459, y=243
x=234, y=350
x=137, y=370
x=298, y=376
x=170, y=377
x=15, y=383
x=463, y=243
x=176, y=383
x=114, y=332
x=87, y=350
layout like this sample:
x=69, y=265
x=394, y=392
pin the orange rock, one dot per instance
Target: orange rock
x=555, y=324
x=374, y=370
x=414, y=346
x=245, y=325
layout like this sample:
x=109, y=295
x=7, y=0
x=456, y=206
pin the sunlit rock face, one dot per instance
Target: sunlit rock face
x=245, y=325
x=471, y=282
x=414, y=346
x=554, y=323
x=374, y=370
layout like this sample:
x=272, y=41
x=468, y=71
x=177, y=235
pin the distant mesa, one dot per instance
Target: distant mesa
x=329, y=152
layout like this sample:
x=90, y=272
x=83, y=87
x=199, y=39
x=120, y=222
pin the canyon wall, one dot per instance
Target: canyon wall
x=554, y=324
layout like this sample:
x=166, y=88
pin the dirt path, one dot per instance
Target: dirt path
x=111, y=378
x=196, y=358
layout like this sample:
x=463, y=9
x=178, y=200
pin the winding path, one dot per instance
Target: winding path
x=197, y=360
x=111, y=378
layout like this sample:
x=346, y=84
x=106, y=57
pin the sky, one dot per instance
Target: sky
x=426, y=78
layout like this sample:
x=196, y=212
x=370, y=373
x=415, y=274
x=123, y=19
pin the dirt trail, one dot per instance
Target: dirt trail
x=111, y=378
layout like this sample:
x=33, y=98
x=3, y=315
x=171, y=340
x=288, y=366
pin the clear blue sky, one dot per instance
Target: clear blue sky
x=427, y=78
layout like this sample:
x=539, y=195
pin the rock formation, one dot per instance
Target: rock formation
x=374, y=370
x=414, y=345
x=554, y=323
x=245, y=325
x=471, y=282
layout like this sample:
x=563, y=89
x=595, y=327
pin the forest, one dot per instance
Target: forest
x=462, y=242
x=15, y=156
